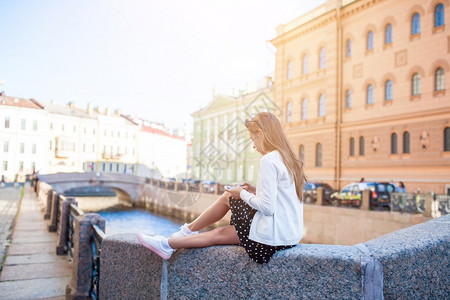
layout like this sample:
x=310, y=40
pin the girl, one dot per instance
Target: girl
x=265, y=218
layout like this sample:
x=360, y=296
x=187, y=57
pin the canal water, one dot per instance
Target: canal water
x=123, y=219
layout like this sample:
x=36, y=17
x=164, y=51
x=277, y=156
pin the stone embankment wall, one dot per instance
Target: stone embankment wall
x=322, y=224
x=412, y=263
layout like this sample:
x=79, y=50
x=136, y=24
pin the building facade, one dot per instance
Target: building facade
x=221, y=148
x=23, y=137
x=362, y=88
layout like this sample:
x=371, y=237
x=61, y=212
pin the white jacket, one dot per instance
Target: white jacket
x=279, y=217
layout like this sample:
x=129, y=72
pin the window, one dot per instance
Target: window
x=34, y=125
x=6, y=147
x=21, y=165
x=348, y=99
x=388, y=90
x=439, y=15
x=369, y=94
x=415, y=84
x=388, y=34
x=415, y=24
x=361, y=146
x=50, y=145
x=5, y=165
x=370, y=41
x=104, y=167
x=7, y=120
x=289, y=112
x=301, y=153
x=321, y=105
x=322, y=58
x=305, y=64
x=439, y=81
x=394, y=143
x=319, y=155
x=22, y=148
x=348, y=48
x=406, y=142
x=352, y=147
x=33, y=166
x=23, y=124
x=33, y=148
x=447, y=139
x=51, y=126
x=289, y=70
x=305, y=109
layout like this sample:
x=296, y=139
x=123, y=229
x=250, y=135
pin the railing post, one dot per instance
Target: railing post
x=80, y=284
x=54, y=211
x=201, y=188
x=320, y=192
x=175, y=187
x=64, y=226
x=158, y=183
x=49, y=204
x=365, y=200
x=428, y=205
x=216, y=188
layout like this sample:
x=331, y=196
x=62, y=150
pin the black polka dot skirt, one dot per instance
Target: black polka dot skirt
x=241, y=218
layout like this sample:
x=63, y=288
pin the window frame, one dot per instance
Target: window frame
x=318, y=161
x=321, y=107
x=394, y=143
x=406, y=142
x=439, y=80
x=415, y=24
x=388, y=90
x=369, y=94
x=416, y=84
x=369, y=45
x=439, y=17
x=388, y=34
x=305, y=109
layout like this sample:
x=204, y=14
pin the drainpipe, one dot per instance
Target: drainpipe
x=339, y=81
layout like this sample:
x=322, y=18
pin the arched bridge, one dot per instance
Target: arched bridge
x=125, y=184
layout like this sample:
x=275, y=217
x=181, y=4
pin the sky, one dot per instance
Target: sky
x=159, y=60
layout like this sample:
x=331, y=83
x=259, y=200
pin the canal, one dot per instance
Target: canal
x=124, y=219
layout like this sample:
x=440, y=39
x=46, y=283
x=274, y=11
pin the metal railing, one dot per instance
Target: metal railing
x=97, y=239
x=407, y=202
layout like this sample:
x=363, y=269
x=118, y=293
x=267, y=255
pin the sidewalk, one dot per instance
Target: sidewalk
x=32, y=270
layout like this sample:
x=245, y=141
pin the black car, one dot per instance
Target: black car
x=380, y=194
x=310, y=192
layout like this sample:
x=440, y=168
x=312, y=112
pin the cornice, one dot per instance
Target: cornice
x=357, y=6
x=305, y=28
x=402, y=117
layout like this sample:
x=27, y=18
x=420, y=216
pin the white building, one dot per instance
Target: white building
x=23, y=136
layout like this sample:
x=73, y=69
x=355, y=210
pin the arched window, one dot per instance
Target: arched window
x=439, y=15
x=439, y=81
x=348, y=48
x=352, y=147
x=394, y=143
x=369, y=94
x=388, y=90
x=415, y=84
x=318, y=155
x=447, y=139
x=415, y=24
x=321, y=105
x=322, y=58
x=289, y=70
x=348, y=99
x=406, y=142
x=305, y=109
x=361, y=145
x=289, y=112
x=370, y=40
x=388, y=34
x=305, y=64
x=301, y=153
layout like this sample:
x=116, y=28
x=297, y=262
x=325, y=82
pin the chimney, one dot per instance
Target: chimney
x=90, y=109
x=117, y=112
x=72, y=105
x=98, y=109
x=106, y=111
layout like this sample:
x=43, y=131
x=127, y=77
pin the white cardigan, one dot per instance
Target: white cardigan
x=279, y=217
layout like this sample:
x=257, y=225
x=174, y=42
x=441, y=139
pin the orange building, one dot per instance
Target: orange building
x=363, y=90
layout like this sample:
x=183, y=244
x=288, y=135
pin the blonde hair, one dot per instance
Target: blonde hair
x=275, y=139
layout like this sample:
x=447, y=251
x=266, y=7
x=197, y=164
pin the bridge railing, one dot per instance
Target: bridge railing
x=80, y=238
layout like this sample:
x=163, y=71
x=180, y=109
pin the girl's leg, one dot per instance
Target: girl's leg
x=225, y=235
x=212, y=214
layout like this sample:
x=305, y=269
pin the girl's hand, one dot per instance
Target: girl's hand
x=249, y=188
x=235, y=192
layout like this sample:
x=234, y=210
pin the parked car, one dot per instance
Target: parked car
x=310, y=192
x=351, y=194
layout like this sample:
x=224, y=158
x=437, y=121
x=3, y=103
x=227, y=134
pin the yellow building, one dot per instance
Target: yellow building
x=363, y=91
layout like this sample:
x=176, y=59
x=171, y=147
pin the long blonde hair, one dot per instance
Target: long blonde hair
x=275, y=139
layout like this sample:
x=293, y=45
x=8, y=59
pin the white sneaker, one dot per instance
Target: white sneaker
x=153, y=242
x=184, y=231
